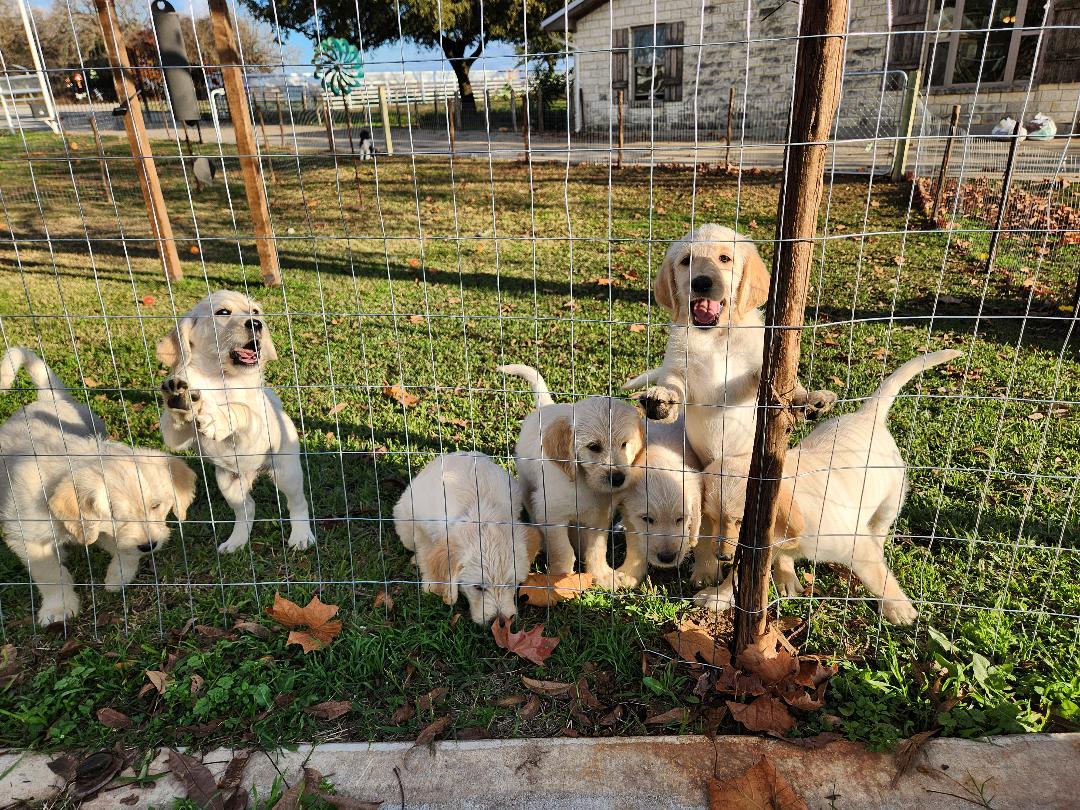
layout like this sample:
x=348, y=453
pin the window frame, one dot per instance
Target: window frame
x=660, y=32
x=951, y=40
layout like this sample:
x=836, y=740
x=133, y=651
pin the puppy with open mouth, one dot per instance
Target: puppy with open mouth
x=217, y=400
x=713, y=282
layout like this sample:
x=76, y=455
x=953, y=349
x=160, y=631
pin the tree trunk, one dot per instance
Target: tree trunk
x=455, y=52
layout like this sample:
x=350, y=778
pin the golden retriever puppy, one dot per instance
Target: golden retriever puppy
x=217, y=401
x=661, y=513
x=843, y=488
x=574, y=459
x=461, y=515
x=712, y=281
x=62, y=484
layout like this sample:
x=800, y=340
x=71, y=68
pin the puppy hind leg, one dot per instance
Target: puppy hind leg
x=593, y=547
x=236, y=490
x=289, y=478
x=559, y=550
x=59, y=601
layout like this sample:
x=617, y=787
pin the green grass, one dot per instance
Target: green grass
x=485, y=255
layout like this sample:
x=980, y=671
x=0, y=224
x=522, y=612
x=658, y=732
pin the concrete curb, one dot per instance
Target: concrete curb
x=635, y=773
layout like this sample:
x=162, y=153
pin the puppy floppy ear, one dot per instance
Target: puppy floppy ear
x=81, y=504
x=175, y=347
x=436, y=571
x=753, y=290
x=183, y=479
x=558, y=445
x=664, y=286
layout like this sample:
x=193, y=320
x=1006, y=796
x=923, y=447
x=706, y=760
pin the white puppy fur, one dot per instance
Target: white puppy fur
x=62, y=483
x=461, y=516
x=217, y=401
x=661, y=512
x=712, y=281
x=574, y=460
x=843, y=488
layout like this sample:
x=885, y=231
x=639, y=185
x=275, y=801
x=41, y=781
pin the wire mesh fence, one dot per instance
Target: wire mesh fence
x=428, y=230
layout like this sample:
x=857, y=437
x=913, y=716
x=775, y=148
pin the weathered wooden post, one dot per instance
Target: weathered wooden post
x=266, y=144
x=101, y=159
x=135, y=127
x=907, y=123
x=384, y=111
x=727, y=138
x=452, y=130
x=818, y=64
x=240, y=112
x=513, y=110
x=954, y=120
x=620, y=99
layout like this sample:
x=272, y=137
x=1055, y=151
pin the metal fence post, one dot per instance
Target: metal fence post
x=954, y=120
x=513, y=110
x=620, y=102
x=818, y=65
x=1003, y=202
x=907, y=123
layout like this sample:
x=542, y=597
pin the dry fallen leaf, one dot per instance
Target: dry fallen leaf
x=433, y=730
x=159, y=680
x=763, y=714
x=426, y=701
x=767, y=658
x=329, y=710
x=542, y=590
x=908, y=749
x=337, y=409
x=547, y=688
x=315, y=616
x=530, y=709
x=111, y=718
x=416, y=319
x=198, y=782
x=637, y=327
x=383, y=599
x=402, y=714
x=693, y=643
x=677, y=715
x=529, y=644
x=253, y=628
x=758, y=788
x=398, y=393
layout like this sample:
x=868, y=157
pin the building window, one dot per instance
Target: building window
x=648, y=59
x=985, y=41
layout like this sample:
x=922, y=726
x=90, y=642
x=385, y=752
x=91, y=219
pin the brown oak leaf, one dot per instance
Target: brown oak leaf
x=398, y=393
x=765, y=713
x=758, y=788
x=694, y=643
x=316, y=616
x=531, y=645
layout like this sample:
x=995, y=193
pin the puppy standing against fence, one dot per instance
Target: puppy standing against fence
x=712, y=281
x=62, y=483
x=217, y=400
x=843, y=488
x=461, y=515
x=574, y=459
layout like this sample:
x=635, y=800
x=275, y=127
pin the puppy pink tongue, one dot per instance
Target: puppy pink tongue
x=706, y=310
x=246, y=355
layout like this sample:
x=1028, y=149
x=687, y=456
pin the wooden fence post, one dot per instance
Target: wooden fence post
x=266, y=144
x=539, y=110
x=329, y=119
x=818, y=64
x=954, y=120
x=513, y=110
x=101, y=159
x=452, y=130
x=240, y=112
x=384, y=111
x=907, y=123
x=727, y=138
x=620, y=101
x=525, y=122
x=160, y=226
x=280, y=119
x=1003, y=203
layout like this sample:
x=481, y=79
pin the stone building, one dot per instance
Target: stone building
x=676, y=61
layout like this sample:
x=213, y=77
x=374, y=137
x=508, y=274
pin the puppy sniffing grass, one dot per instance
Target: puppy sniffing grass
x=712, y=282
x=217, y=400
x=461, y=515
x=574, y=460
x=843, y=488
x=62, y=484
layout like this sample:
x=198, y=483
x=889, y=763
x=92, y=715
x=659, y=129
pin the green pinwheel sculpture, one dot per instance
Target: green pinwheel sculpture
x=338, y=66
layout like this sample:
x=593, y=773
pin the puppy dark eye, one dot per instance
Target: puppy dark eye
x=647, y=519
x=155, y=506
x=685, y=260
x=724, y=259
x=223, y=311
x=593, y=447
x=482, y=588
x=678, y=521
x=624, y=445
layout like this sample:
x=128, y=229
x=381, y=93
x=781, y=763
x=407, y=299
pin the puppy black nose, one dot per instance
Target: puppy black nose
x=617, y=479
x=701, y=284
x=146, y=548
x=666, y=556
x=254, y=325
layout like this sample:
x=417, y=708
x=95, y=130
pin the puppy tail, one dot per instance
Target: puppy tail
x=535, y=381
x=46, y=382
x=882, y=400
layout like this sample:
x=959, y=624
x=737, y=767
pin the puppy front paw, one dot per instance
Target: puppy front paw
x=232, y=545
x=705, y=572
x=180, y=399
x=660, y=404
x=899, y=611
x=611, y=580
x=717, y=599
x=819, y=403
x=53, y=613
x=301, y=537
